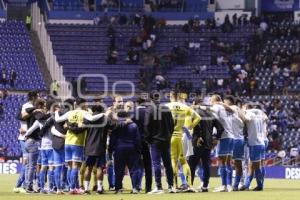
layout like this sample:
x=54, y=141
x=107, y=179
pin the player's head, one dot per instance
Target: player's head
x=141, y=100
x=155, y=96
x=80, y=103
x=248, y=106
x=215, y=99
x=229, y=100
x=50, y=105
x=118, y=102
x=173, y=95
x=32, y=96
x=238, y=102
x=68, y=104
x=198, y=101
x=40, y=104
x=129, y=106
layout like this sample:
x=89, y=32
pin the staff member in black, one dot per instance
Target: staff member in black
x=203, y=142
x=139, y=118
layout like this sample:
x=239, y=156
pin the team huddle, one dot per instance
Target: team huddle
x=67, y=145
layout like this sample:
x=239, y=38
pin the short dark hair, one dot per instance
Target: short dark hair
x=32, y=95
x=141, y=100
x=39, y=103
x=230, y=98
x=79, y=101
x=49, y=103
x=238, y=101
x=123, y=114
x=198, y=100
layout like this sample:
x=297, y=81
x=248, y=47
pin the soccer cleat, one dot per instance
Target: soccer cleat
x=30, y=191
x=220, y=189
x=244, y=188
x=60, y=192
x=156, y=191
x=172, y=190
x=134, y=191
x=43, y=191
x=118, y=192
x=229, y=188
x=72, y=192
x=235, y=189
x=203, y=189
x=22, y=190
x=87, y=192
x=79, y=191
x=111, y=188
x=258, y=189
x=16, y=190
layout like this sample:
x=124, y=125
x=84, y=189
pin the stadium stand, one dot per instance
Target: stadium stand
x=17, y=54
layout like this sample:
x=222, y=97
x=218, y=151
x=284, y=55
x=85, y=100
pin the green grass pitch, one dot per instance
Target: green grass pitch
x=274, y=190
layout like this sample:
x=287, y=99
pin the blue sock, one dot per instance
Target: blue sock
x=248, y=181
x=182, y=177
x=263, y=170
x=229, y=174
x=42, y=178
x=74, y=177
x=64, y=183
x=259, y=178
x=237, y=181
x=57, y=177
x=223, y=175
x=69, y=179
x=51, y=179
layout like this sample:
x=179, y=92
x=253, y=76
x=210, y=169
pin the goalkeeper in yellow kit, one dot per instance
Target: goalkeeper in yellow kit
x=184, y=118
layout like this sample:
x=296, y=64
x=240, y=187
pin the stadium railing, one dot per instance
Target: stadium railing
x=39, y=25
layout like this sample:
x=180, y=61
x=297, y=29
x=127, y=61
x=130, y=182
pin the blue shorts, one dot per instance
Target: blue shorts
x=73, y=153
x=225, y=147
x=39, y=161
x=256, y=153
x=47, y=157
x=98, y=161
x=238, y=149
x=265, y=150
x=59, y=157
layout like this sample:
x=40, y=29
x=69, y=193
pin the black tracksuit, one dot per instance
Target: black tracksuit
x=204, y=130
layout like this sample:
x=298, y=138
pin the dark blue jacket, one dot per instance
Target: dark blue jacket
x=126, y=136
x=139, y=119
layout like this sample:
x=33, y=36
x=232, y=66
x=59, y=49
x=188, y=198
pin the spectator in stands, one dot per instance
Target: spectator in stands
x=1, y=110
x=54, y=88
x=13, y=78
x=28, y=22
x=112, y=56
x=3, y=76
x=227, y=26
x=2, y=150
x=293, y=155
x=132, y=56
x=3, y=94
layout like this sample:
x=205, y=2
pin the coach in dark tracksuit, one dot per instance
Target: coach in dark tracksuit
x=139, y=119
x=125, y=143
x=158, y=127
x=203, y=142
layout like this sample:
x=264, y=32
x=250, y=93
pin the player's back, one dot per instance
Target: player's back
x=237, y=124
x=255, y=126
x=72, y=138
x=180, y=112
x=225, y=118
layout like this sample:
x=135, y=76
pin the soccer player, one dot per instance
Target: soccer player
x=158, y=129
x=225, y=146
x=180, y=113
x=95, y=149
x=125, y=143
x=24, y=118
x=238, y=142
x=74, y=143
x=255, y=120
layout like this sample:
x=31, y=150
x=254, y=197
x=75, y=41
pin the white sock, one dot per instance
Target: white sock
x=86, y=185
x=99, y=184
